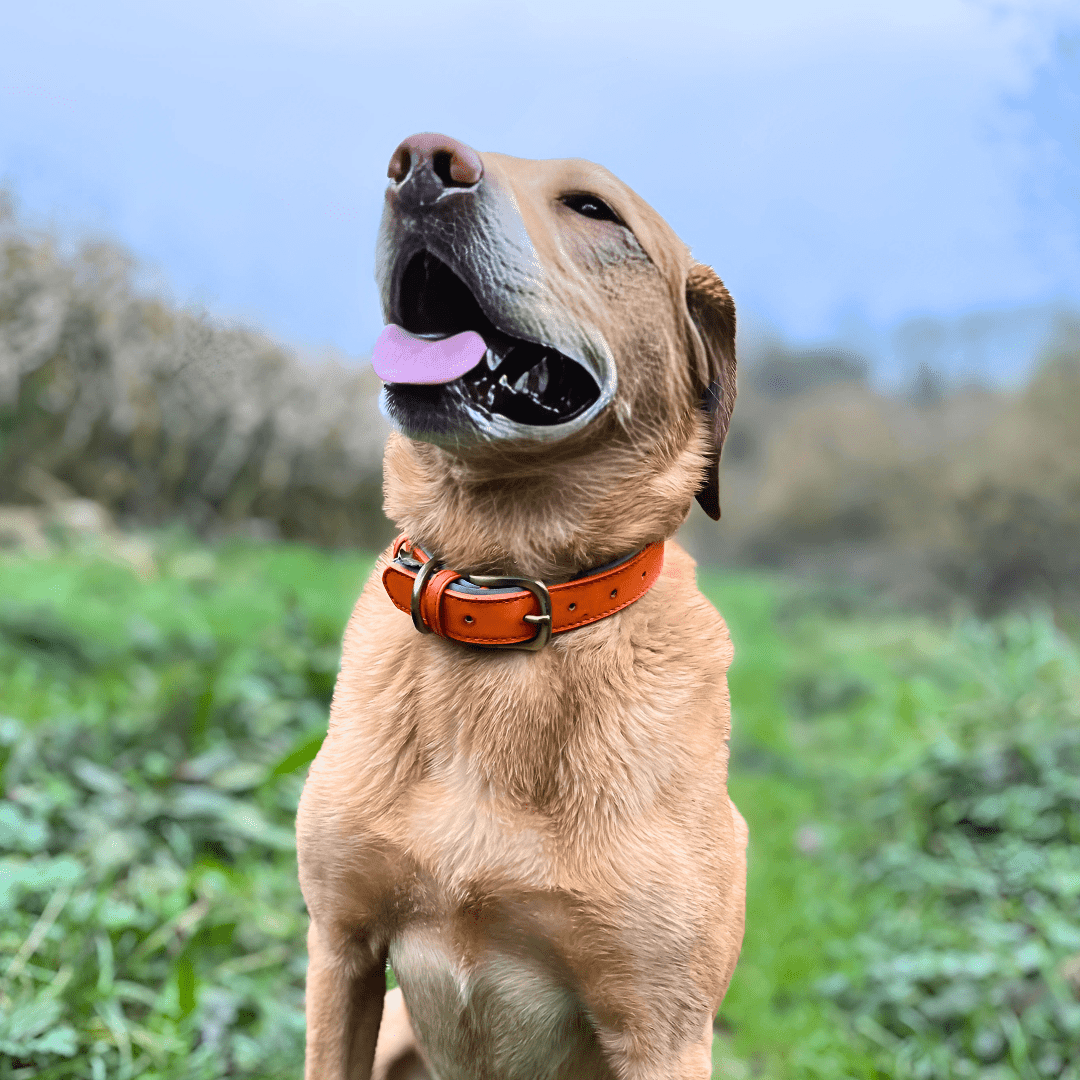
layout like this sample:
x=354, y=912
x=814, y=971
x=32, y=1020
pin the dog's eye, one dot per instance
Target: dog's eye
x=591, y=207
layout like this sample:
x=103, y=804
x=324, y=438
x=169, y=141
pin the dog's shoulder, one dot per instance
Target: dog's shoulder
x=695, y=628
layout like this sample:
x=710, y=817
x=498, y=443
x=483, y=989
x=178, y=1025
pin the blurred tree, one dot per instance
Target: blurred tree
x=927, y=387
x=782, y=373
x=921, y=345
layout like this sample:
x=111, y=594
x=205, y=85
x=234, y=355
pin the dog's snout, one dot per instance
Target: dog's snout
x=438, y=158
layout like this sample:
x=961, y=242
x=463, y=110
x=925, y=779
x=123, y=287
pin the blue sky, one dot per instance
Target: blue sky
x=844, y=165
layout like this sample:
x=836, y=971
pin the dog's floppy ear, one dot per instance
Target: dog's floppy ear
x=712, y=312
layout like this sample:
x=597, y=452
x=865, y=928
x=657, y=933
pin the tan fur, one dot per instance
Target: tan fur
x=542, y=843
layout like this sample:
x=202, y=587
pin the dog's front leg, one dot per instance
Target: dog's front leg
x=344, y=1007
x=649, y=1055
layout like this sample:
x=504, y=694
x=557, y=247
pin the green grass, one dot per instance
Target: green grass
x=775, y=1021
x=912, y=790
x=156, y=738
x=913, y=796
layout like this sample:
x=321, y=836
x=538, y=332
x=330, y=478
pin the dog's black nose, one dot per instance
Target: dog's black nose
x=446, y=161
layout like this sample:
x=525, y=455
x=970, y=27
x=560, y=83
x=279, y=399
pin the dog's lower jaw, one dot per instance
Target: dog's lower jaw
x=493, y=512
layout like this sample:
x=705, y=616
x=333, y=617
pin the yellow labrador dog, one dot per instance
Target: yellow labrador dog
x=521, y=803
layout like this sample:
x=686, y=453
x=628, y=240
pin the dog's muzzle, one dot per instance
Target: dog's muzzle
x=456, y=267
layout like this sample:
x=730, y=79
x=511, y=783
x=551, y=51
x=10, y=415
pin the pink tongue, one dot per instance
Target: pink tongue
x=400, y=357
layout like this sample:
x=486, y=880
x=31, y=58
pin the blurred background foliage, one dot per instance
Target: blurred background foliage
x=153, y=750
x=156, y=414
x=936, y=493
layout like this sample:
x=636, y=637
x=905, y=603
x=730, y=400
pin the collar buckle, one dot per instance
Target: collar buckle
x=423, y=576
x=542, y=622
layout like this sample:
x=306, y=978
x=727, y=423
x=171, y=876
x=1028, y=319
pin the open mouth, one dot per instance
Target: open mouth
x=524, y=382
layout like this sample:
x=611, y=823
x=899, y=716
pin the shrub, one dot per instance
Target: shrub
x=970, y=965
x=159, y=414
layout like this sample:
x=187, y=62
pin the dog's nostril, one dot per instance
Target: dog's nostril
x=441, y=164
x=455, y=169
x=400, y=164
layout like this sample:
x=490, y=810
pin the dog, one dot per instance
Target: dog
x=537, y=838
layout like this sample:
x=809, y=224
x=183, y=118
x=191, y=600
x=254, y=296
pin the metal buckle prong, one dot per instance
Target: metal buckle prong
x=542, y=622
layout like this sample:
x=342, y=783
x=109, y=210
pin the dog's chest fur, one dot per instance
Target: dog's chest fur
x=497, y=1012
x=516, y=822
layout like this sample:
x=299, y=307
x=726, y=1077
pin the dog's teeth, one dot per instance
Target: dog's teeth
x=522, y=383
x=539, y=379
x=492, y=359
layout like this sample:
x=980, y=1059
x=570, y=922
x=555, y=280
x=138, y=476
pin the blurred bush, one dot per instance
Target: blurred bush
x=783, y=373
x=972, y=492
x=157, y=413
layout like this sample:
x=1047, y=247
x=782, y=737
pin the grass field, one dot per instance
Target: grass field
x=912, y=789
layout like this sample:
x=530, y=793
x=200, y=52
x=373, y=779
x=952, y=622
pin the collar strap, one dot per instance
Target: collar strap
x=511, y=612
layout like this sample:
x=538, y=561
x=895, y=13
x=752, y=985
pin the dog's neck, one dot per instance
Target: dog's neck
x=547, y=517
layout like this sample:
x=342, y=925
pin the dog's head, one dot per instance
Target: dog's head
x=539, y=302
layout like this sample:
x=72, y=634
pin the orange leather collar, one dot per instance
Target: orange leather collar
x=511, y=612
